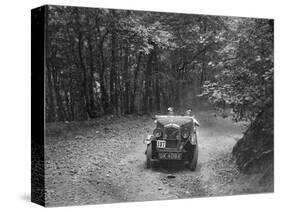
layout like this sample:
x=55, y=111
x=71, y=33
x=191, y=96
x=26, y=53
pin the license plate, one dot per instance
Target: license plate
x=169, y=156
x=161, y=144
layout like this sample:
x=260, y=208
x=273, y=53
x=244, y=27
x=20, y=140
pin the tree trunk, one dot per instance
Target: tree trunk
x=101, y=64
x=51, y=116
x=58, y=99
x=113, y=88
x=127, y=80
x=147, y=84
x=104, y=96
x=148, y=90
x=67, y=108
x=157, y=88
x=91, y=80
x=84, y=78
x=133, y=97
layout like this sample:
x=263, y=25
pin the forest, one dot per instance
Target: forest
x=105, y=61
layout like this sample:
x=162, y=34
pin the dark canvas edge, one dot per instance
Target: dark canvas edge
x=38, y=29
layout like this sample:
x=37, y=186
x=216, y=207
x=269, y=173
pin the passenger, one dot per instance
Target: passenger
x=188, y=112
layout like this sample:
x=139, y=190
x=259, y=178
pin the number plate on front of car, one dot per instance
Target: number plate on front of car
x=161, y=144
x=169, y=156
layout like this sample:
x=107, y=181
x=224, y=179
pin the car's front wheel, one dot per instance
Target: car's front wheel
x=148, y=156
x=193, y=162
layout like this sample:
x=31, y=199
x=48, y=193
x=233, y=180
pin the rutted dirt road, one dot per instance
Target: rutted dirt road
x=103, y=161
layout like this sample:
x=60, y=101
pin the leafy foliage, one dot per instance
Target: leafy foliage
x=245, y=79
x=102, y=61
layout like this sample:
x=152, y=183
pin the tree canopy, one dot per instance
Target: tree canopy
x=104, y=61
x=245, y=81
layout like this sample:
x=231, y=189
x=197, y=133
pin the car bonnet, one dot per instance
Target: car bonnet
x=178, y=120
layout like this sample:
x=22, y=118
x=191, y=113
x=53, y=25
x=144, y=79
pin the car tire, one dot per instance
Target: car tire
x=193, y=162
x=148, y=156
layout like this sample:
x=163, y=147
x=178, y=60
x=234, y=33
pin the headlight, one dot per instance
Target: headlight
x=157, y=133
x=193, y=139
x=185, y=134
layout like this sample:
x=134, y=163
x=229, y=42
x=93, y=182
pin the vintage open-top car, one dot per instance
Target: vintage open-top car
x=174, y=138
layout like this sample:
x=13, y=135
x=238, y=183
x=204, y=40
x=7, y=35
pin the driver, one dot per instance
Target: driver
x=171, y=111
x=188, y=112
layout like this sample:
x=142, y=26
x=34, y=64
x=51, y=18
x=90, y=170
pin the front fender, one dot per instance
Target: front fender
x=193, y=140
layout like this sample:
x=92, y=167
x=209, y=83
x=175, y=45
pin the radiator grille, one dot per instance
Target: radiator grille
x=171, y=143
x=171, y=133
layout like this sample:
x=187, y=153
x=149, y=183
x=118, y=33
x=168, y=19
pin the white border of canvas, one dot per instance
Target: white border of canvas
x=15, y=103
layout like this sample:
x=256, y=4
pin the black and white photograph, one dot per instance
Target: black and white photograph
x=143, y=106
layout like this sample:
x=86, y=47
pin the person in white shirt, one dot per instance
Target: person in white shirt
x=188, y=112
x=171, y=111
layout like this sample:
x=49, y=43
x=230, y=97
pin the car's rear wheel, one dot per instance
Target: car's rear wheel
x=148, y=156
x=193, y=162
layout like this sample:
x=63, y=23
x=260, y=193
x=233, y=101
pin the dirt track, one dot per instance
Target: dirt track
x=103, y=161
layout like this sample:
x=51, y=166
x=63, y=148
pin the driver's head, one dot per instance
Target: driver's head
x=170, y=109
x=188, y=111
